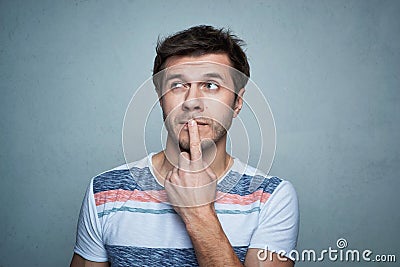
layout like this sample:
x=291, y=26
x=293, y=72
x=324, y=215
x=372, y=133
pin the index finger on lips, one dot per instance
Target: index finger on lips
x=195, y=145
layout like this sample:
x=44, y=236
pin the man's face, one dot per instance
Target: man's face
x=199, y=88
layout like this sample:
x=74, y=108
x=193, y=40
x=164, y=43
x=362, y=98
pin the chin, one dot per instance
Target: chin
x=184, y=149
x=184, y=146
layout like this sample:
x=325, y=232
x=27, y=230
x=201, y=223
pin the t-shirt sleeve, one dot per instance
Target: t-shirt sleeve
x=278, y=226
x=89, y=242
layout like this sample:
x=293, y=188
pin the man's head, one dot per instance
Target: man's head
x=199, y=74
x=202, y=40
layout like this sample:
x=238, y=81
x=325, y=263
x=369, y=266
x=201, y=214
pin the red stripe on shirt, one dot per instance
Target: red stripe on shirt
x=158, y=196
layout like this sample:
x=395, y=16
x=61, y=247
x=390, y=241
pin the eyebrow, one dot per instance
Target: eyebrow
x=173, y=76
x=207, y=75
x=214, y=75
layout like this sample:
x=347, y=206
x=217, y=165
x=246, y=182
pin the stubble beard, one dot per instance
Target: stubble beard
x=218, y=132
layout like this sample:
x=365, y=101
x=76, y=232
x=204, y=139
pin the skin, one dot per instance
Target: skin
x=186, y=164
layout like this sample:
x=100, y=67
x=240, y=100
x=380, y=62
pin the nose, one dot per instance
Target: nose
x=193, y=100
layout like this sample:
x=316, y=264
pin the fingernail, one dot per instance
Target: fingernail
x=192, y=122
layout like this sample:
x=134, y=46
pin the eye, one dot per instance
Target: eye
x=178, y=85
x=211, y=86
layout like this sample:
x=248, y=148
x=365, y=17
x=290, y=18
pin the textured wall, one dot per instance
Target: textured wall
x=330, y=70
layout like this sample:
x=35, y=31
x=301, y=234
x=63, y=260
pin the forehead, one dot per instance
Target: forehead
x=198, y=68
x=222, y=59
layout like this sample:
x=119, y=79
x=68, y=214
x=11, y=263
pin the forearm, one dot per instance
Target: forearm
x=210, y=243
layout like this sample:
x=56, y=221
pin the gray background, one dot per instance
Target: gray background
x=330, y=70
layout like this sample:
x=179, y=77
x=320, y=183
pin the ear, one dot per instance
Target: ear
x=238, y=102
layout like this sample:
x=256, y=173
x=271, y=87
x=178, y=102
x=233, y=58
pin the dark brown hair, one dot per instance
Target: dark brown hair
x=201, y=40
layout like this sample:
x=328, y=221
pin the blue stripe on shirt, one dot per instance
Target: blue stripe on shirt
x=121, y=256
x=142, y=179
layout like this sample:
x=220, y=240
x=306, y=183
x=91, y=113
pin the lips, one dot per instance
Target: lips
x=200, y=122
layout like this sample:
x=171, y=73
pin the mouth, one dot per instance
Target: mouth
x=200, y=123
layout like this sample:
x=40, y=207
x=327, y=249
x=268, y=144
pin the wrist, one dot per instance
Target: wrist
x=200, y=217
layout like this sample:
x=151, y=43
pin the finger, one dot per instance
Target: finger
x=168, y=177
x=195, y=145
x=175, y=178
x=211, y=174
x=175, y=171
x=184, y=161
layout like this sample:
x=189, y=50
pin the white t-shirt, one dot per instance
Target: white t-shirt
x=126, y=219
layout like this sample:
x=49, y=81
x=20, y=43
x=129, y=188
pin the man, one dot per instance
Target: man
x=192, y=203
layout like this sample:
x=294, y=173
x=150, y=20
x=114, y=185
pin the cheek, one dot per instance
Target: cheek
x=171, y=102
x=220, y=108
x=222, y=113
x=167, y=107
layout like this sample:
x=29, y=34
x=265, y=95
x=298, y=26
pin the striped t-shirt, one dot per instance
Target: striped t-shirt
x=126, y=220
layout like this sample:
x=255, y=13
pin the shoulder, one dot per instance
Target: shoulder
x=254, y=180
x=121, y=177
